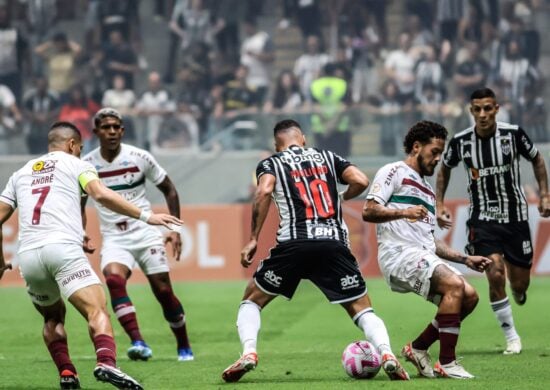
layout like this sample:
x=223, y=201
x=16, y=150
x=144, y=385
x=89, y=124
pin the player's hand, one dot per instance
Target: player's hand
x=87, y=245
x=544, y=206
x=165, y=220
x=478, y=263
x=4, y=268
x=248, y=253
x=416, y=213
x=444, y=220
x=174, y=238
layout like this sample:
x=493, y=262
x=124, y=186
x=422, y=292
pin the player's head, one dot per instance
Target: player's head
x=286, y=133
x=484, y=108
x=424, y=143
x=109, y=128
x=66, y=137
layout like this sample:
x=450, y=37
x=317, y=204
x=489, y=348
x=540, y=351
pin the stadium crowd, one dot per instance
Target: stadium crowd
x=220, y=67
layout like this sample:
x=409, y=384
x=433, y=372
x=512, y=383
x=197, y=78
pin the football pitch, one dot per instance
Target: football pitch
x=300, y=344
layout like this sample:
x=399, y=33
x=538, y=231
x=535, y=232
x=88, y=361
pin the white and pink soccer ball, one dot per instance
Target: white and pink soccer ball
x=361, y=360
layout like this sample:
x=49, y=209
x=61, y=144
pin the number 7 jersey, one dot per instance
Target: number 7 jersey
x=306, y=193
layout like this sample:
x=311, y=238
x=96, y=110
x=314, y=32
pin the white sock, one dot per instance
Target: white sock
x=503, y=312
x=374, y=329
x=248, y=325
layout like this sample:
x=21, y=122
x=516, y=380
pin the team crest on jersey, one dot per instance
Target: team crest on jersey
x=43, y=166
x=422, y=264
x=505, y=147
x=376, y=188
x=129, y=177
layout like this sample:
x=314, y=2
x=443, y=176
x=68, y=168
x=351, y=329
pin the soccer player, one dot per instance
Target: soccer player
x=312, y=243
x=498, y=225
x=47, y=191
x=124, y=169
x=402, y=203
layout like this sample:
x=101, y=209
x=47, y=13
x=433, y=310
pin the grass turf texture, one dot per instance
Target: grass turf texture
x=300, y=343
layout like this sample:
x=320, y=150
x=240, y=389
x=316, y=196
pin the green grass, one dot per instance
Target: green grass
x=300, y=341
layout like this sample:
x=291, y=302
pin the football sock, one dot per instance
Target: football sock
x=429, y=336
x=248, y=325
x=503, y=312
x=175, y=315
x=449, y=328
x=123, y=307
x=374, y=329
x=105, y=349
x=59, y=350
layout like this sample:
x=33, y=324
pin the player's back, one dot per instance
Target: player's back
x=47, y=193
x=306, y=193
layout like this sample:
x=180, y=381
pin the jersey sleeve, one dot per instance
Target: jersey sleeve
x=152, y=169
x=525, y=146
x=340, y=165
x=384, y=184
x=8, y=196
x=265, y=166
x=451, y=158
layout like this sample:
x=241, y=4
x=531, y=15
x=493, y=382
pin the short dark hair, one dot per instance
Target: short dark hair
x=482, y=93
x=285, y=124
x=55, y=137
x=423, y=132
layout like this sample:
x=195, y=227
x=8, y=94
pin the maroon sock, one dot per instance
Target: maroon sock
x=180, y=331
x=174, y=314
x=122, y=306
x=449, y=328
x=105, y=349
x=429, y=336
x=59, y=350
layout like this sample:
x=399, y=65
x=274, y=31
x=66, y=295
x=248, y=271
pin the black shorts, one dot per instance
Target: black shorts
x=513, y=240
x=328, y=264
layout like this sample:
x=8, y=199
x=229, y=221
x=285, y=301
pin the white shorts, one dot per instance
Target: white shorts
x=54, y=269
x=151, y=260
x=410, y=270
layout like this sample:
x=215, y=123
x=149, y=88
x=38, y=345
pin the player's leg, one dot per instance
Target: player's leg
x=173, y=313
x=362, y=314
x=451, y=288
x=496, y=275
x=519, y=278
x=55, y=339
x=470, y=300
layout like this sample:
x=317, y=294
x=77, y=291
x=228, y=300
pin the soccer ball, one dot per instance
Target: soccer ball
x=361, y=360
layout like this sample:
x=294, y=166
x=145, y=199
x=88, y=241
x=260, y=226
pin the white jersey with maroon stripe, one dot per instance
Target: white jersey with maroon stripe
x=47, y=192
x=126, y=174
x=397, y=186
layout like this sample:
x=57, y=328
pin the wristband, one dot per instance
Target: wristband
x=341, y=196
x=145, y=215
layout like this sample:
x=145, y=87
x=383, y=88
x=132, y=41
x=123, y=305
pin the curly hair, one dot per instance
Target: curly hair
x=423, y=132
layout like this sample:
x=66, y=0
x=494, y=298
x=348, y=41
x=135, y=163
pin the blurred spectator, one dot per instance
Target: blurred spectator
x=192, y=97
x=430, y=102
x=41, y=18
x=331, y=122
x=61, y=56
x=176, y=27
x=257, y=54
x=197, y=26
x=429, y=73
x=179, y=130
x=471, y=74
x=119, y=59
x=123, y=100
x=153, y=105
x=528, y=40
x=40, y=107
x=228, y=14
x=307, y=13
x=448, y=14
x=309, y=65
x=237, y=97
x=7, y=131
x=388, y=109
x=198, y=61
x=532, y=115
x=287, y=97
x=472, y=28
x=15, y=57
x=79, y=110
x=420, y=35
x=399, y=67
x=115, y=15
x=10, y=116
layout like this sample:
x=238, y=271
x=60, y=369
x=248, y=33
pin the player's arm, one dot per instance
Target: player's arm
x=541, y=175
x=357, y=182
x=477, y=263
x=260, y=208
x=443, y=216
x=113, y=201
x=5, y=213
x=173, y=202
x=86, y=244
x=377, y=213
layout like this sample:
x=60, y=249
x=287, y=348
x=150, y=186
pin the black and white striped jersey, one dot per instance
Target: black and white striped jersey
x=492, y=166
x=306, y=193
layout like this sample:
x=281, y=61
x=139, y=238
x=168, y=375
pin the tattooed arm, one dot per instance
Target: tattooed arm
x=477, y=263
x=260, y=208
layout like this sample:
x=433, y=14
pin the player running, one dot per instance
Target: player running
x=47, y=191
x=127, y=242
x=402, y=203
x=312, y=243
